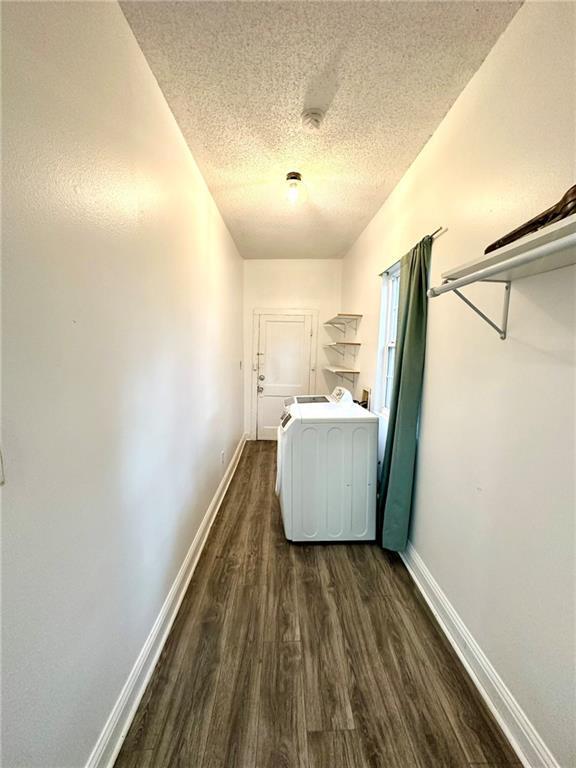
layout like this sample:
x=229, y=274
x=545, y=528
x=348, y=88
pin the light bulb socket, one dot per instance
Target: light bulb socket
x=293, y=176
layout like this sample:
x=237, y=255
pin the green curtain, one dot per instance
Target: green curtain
x=397, y=475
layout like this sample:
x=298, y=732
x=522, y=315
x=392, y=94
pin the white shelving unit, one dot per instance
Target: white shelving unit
x=340, y=370
x=345, y=347
x=552, y=247
x=342, y=347
x=342, y=320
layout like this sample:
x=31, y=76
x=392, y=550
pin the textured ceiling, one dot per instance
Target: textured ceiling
x=237, y=76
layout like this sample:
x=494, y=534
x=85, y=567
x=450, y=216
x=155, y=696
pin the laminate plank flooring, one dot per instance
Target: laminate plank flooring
x=293, y=656
x=282, y=736
x=326, y=683
x=340, y=748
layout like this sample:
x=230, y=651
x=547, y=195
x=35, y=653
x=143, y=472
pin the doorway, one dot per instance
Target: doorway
x=284, y=364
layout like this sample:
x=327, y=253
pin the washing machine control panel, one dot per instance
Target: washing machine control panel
x=286, y=422
x=341, y=395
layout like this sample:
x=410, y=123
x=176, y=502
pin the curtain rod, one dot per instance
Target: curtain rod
x=434, y=235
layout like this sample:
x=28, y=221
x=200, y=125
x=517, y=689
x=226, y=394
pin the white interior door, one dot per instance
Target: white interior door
x=283, y=368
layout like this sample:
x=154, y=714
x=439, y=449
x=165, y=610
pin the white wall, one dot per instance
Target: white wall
x=292, y=284
x=122, y=382
x=494, y=506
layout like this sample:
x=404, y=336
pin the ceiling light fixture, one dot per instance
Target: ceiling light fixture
x=296, y=191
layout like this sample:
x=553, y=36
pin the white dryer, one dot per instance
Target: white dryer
x=327, y=462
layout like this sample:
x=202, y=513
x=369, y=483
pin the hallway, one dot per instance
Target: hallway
x=288, y=656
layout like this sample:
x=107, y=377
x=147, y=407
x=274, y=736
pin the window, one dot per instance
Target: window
x=388, y=332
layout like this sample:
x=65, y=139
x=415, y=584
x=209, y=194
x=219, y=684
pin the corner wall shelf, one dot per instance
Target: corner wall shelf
x=340, y=369
x=346, y=347
x=552, y=247
x=342, y=319
x=343, y=373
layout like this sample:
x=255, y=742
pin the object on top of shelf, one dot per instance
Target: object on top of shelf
x=560, y=210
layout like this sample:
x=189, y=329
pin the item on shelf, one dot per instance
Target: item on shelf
x=563, y=208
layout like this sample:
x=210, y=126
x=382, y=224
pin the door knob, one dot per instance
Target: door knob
x=261, y=377
x=259, y=389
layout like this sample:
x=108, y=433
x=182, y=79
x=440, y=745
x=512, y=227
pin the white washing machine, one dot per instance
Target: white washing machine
x=327, y=462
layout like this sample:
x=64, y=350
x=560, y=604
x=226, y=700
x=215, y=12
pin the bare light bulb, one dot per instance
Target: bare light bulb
x=296, y=191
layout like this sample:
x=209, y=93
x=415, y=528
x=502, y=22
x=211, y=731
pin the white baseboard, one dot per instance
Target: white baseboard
x=114, y=732
x=527, y=743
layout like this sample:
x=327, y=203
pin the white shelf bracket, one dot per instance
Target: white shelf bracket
x=549, y=248
x=501, y=331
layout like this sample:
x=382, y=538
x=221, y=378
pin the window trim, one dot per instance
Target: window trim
x=385, y=343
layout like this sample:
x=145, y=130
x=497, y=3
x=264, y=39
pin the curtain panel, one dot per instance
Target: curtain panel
x=397, y=473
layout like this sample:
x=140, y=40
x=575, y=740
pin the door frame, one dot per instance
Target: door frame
x=313, y=314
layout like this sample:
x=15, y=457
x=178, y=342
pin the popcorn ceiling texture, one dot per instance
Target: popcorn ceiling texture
x=237, y=76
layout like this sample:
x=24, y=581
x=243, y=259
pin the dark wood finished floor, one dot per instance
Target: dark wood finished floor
x=292, y=656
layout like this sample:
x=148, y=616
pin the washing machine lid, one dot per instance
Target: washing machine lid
x=332, y=412
x=311, y=399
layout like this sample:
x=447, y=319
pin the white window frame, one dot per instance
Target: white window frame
x=387, y=336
